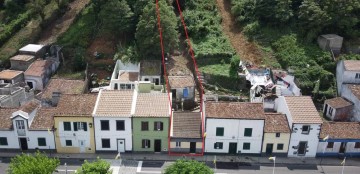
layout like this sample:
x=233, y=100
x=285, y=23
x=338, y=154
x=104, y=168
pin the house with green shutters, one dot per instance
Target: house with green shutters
x=150, y=122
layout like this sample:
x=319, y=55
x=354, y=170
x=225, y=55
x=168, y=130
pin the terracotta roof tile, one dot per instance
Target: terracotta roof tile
x=30, y=106
x=355, y=89
x=152, y=105
x=302, y=109
x=44, y=119
x=187, y=124
x=9, y=74
x=64, y=86
x=22, y=57
x=338, y=102
x=5, y=117
x=340, y=130
x=150, y=67
x=276, y=123
x=76, y=105
x=116, y=103
x=234, y=110
x=181, y=81
x=38, y=68
x=352, y=65
x=129, y=76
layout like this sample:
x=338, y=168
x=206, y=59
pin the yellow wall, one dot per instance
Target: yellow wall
x=60, y=119
x=270, y=138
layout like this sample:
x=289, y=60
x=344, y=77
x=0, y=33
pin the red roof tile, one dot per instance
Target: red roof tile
x=234, y=110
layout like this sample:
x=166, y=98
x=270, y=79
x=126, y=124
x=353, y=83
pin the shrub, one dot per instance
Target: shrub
x=190, y=167
x=99, y=167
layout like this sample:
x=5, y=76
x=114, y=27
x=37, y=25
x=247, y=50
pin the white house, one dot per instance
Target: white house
x=234, y=127
x=112, y=120
x=27, y=128
x=150, y=70
x=304, y=123
x=124, y=76
x=351, y=92
x=347, y=72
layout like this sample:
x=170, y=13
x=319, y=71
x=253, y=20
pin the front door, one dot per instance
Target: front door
x=82, y=146
x=232, y=148
x=157, y=146
x=23, y=143
x=192, y=147
x=121, y=145
x=302, y=148
x=269, y=149
x=342, y=147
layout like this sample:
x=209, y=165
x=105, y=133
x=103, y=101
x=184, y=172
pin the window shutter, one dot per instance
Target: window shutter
x=161, y=126
x=75, y=126
x=148, y=143
x=85, y=126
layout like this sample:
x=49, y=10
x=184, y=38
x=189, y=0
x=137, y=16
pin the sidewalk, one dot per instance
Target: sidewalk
x=206, y=158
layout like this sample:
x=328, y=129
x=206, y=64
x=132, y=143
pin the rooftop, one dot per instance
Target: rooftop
x=76, y=105
x=5, y=117
x=38, y=67
x=150, y=67
x=64, y=86
x=115, y=103
x=302, y=109
x=338, y=102
x=355, y=89
x=187, y=125
x=9, y=74
x=330, y=36
x=43, y=119
x=181, y=81
x=235, y=110
x=340, y=130
x=31, y=48
x=352, y=65
x=275, y=123
x=30, y=106
x=152, y=105
x=22, y=57
x=128, y=76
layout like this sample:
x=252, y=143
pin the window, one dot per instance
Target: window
x=357, y=76
x=280, y=146
x=357, y=145
x=3, y=141
x=330, y=110
x=122, y=86
x=246, y=146
x=104, y=124
x=145, y=143
x=128, y=86
x=116, y=86
x=218, y=145
x=330, y=145
x=80, y=126
x=158, y=125
x=305, y=129
x=178, y=144
x=219, y=131
x=68, y=142
x=277, y=134
x=41, y=142
x=105, y=143
x=67, y=126
x=120, y=125
x=248, y=132
x=144, y=126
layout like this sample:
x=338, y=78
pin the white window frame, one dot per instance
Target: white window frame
x=178, y=144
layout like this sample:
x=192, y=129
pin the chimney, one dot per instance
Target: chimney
x=55, y=98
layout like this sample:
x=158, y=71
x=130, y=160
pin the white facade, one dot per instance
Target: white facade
x=77, y=137
x=153, y=79
x=345, y=77
x=120, y=67
x=348, y=94
x=113, y=134
x=234, y=133
x=324, y=150
x=37, y=82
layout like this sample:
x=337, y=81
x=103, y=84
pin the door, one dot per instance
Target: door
x=326, y=110
x=23, y=143
x=157, y=81
x=20, y=126
x=121, y=145
x=302, y=148
x=342, y=147
x=269, y=149
x=232, y=148
x=157, y=146
x=82, y=145
x=173, y=91
x=192, y=147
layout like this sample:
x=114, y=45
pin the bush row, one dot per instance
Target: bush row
x=14, y=26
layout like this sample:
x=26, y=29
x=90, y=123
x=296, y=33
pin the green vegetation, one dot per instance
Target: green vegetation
x=188, y=167
x=96, y=167
x=38, y=163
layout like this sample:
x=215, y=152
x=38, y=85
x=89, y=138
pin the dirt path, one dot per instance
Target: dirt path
x=247, y=50
x=58, y=27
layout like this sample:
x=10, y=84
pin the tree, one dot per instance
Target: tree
x=97, y=4
x=38, y=163
x=37, y=7
x=147, y=34
x=188, y=166
x=97, y=167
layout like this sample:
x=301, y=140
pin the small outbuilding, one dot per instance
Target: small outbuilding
x=11, y=76
x=338, y=109
x=33, y=49
x=330, y=42
x=21, y=62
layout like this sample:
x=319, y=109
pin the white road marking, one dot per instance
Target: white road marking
x=139, y=166
x=63, y=170
x=115, y=170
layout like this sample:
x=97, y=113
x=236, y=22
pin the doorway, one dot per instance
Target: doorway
x=232, y=148
x=173, y=91
x=157, y=81
x=342, y=147
x=302, y=148
x=121, y=145
x=23, y=143
x=30, y=84
x=269, y=149
x=192, y=147
x=157, y=146
x=326, y=110
x=82, y=146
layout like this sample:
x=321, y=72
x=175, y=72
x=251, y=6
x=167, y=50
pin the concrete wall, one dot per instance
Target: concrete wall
x=234, y=133
x=270, y=138
x=13, y=100
x=346, y=93
x=281, y=107
x=312, y=140
x=113, y=134
x=151, y=78
x=340, y=114
x=37, y=82
x=185, y=145
x=21, y=65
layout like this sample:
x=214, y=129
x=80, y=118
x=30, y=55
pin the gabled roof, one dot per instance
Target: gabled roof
x=152, y=105
x=303, y=110
x=44, y=119
x=234, y=110
x=150, y=67
x=186, y=125
x=76, y=105
x=114, y=103
x=340, y=130
x=352, y=65
x=338, y=102
x=5, y=117
x=64, y=86
x=9, y=74
x=181, y=81
x=276, y=123
x=38, y=68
